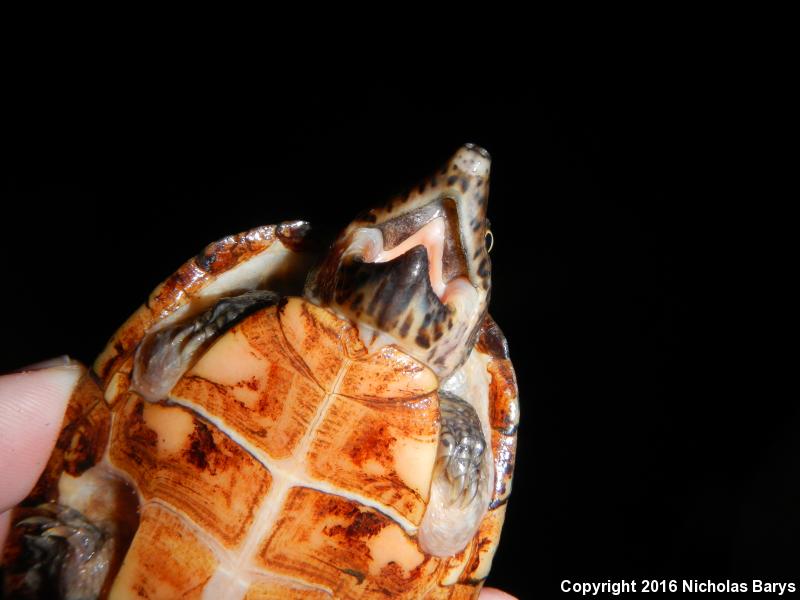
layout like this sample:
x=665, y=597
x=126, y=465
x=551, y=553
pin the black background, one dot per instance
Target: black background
x=653, y=442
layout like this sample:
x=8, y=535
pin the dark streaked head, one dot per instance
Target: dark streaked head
x=416, y=272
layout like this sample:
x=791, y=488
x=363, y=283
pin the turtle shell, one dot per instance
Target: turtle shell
x=287, y=462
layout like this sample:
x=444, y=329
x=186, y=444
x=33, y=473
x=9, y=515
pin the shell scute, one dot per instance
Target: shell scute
x=388, y=374
x=252, y=383
x=504, y=419
x=224, y=254
x=81, y=442
x=485, y=545
x=321, y=340
x=181, y=461
x=166, y=560
x=381, y=451
x=281, y=590
x=344, y=547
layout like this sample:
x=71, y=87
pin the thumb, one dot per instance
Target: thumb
x=32, y=406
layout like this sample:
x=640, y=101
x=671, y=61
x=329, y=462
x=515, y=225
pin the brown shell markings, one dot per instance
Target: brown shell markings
x=81, y=442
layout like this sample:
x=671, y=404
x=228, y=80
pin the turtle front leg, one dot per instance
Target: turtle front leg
x=164, y=355
x=462, y=480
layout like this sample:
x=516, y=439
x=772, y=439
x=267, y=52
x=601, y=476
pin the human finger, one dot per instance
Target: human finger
x=32, y=406
x=495, y=594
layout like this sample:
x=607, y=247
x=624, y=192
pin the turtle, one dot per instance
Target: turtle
x=269, y=425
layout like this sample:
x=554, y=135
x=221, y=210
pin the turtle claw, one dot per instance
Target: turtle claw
x=461, y=449
x=64, y=550
x=472, y=490
x=41, y=522
x=65, y=523
x=457, y=489
x=61, y=531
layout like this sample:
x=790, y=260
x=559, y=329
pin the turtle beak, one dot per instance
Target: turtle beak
x=467, y=184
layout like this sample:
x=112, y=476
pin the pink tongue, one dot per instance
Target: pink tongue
x=432, y=237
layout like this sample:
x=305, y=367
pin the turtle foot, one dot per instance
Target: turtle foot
x=461, y=485
x=461, y=449
x=65, y=555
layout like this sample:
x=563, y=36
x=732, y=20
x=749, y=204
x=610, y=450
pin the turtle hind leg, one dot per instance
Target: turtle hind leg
x=462, y=480
x=461, y=449
x=61, y=555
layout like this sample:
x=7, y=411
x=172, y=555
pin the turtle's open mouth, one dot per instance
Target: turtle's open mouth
x=447, y=270
x=431, y=237
x=416, y=270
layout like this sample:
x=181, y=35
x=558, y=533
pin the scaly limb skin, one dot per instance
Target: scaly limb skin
x=461, y=448
x=462, y=481
x=65, y=547
x=165, y=354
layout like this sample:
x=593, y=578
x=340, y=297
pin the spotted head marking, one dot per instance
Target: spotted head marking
x=416, y=271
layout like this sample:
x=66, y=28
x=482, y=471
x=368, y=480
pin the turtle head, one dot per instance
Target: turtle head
x=415, y=272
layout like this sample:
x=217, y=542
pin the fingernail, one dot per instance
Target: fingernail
x=60, y=361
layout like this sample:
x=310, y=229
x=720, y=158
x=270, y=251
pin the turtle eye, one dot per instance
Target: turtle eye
x=489, y=240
